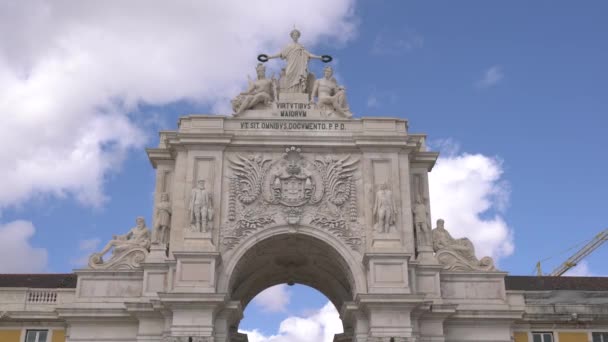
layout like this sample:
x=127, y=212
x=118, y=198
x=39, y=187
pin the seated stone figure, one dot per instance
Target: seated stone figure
x=261, y=91
x=457, y=254
x=128, y=250
x=331, y=97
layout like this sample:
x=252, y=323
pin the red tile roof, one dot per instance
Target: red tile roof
x=47, y=280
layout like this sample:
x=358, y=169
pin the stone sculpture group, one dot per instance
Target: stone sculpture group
x=320, y=191
x=128, y=250
x=457, y=254
x=294, y=78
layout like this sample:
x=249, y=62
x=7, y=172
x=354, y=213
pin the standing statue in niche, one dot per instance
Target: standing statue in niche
x=261, y=91
x=457, y=254
x=137, y=240
x=163, y=220
x=423, y=231
x=330, y=96
x=384, y=209
x=201, y=208
x=297, y=79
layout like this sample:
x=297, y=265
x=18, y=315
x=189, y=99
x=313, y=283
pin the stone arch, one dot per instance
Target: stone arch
x=284, y=254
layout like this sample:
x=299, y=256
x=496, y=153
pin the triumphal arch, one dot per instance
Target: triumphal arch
x=290, y=188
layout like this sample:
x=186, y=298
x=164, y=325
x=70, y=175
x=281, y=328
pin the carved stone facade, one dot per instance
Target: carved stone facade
x=317, y=191
x=284, y=192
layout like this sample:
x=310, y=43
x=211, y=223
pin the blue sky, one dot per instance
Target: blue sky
x=522, y=86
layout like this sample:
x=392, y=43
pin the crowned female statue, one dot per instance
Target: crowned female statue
x=296, y=78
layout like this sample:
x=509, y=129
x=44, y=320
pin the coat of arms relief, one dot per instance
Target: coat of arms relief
x=292, y=190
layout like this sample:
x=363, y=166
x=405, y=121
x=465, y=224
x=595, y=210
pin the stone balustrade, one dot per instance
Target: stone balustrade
x=41, y=296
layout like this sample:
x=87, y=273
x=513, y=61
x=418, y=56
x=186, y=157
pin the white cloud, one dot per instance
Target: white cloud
x=469, y=193
x=321, y=326
x=580, y=270
x=16, y=252
x=71, y=71
x=491, y=77
x=273, y=299
x=391, y=42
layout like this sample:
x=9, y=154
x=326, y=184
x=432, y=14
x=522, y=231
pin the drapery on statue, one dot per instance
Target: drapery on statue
x=261, y=91
x=331, y=96
x=128, y=250
x=201, y=208
x=163, y=220
x=423, y=231
x=457, y=254
x=297, y=79
x=384, y=209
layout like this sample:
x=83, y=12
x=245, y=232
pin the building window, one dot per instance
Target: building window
x=600, y=336
x=542, y=337
x=36, y=335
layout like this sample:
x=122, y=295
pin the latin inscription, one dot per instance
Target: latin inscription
x=299, y=110
x=294, y=125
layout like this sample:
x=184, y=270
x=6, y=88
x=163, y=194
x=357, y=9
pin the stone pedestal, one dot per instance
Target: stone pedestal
x=426, y=255
x=387, y=272
x=389, y=315
x=158, y=253
x=427, y=280
x=193, y=314
x=198, y=241
x=294, y=98
x=196, y=271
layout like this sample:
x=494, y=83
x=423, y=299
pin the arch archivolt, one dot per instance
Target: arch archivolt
x=292, y=254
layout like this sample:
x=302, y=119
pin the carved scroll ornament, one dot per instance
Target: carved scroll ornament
x=292, y=190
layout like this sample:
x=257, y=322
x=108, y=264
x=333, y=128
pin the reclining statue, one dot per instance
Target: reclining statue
x=128, y=250
x=331, y=97
x=260, y=92
x=457, y=254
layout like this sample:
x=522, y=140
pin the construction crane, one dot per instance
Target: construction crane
x=597, y=241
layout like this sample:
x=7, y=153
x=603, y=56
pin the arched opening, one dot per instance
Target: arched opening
x=291, y=259
x=290, y=313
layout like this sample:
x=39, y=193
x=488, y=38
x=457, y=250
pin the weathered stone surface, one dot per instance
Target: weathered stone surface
x=291, y=189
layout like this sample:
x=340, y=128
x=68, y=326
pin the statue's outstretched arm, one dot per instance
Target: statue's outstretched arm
x=310, y=55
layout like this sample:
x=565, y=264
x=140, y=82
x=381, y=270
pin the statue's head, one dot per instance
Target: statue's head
x=260, y=70
x=440, y=223
x=383, y=186
x=201, y=183
x=295, y=35
x=164, y=197
x=140, y=221
x=328, y=72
